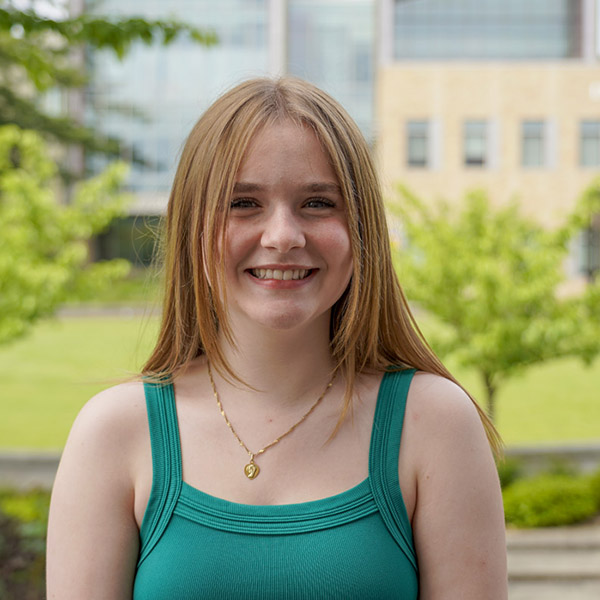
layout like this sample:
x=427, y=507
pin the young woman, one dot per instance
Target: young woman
x=293, y=435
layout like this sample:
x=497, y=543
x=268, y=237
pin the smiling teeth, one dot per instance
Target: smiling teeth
x=279, y=274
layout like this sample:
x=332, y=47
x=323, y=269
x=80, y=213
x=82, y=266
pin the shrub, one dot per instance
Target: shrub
x=23, y=519
x=509, y=470
x=594, y=482
x=549, y=500
x=28, y=507
x=559, y=466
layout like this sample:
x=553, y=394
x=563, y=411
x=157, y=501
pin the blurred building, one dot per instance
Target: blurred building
x=502, y=95
x=455, y=94
x=154, y=96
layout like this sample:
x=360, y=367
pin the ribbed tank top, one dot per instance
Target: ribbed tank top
x=354, y=545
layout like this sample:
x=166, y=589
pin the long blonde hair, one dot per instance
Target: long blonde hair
x=372, y=327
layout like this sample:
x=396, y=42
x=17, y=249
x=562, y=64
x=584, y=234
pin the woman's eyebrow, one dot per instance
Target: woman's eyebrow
x=323, y=187
x=243, y=187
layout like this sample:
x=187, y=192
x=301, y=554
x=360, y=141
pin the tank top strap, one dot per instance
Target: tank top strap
x=383, y=458
x=166, y=464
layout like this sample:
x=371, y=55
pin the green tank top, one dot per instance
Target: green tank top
x=354, y=545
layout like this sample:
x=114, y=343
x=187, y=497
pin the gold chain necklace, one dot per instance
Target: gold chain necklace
x=251, y=470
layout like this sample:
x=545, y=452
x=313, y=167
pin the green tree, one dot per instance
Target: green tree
x=37, y=55
x=494, y=281
x=43, y=243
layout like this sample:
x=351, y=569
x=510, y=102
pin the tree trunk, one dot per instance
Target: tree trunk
x=490, y=389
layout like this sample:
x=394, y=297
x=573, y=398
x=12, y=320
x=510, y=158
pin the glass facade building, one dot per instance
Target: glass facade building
x=152, y=98
x=487, y=29
x=331, y=43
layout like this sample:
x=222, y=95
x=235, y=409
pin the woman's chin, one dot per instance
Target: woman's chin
x=282, y=322
x=286, y=320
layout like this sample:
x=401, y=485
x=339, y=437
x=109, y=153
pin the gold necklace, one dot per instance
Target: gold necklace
x=251, y=470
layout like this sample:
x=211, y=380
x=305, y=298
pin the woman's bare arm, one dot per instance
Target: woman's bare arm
x=92, y=532
x=458, y=522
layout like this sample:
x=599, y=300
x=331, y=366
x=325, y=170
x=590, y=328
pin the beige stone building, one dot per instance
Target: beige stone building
x=496, y=94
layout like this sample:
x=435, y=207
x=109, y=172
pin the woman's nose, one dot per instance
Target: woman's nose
x=283, y=231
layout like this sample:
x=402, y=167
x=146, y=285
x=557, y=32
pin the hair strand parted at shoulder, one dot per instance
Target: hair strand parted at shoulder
x=372, y=327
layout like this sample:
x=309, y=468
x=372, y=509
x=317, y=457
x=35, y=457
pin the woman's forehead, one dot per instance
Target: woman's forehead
x=288, y=151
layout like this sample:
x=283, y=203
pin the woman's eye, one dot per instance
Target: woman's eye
x=243, y=203
x=320, y=203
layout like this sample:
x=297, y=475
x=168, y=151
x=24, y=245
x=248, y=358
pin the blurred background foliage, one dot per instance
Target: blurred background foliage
x=50, y=210
x=23, y=522
x=41, y=56
x=494, y=282
x=47, y=221
x=44, y=258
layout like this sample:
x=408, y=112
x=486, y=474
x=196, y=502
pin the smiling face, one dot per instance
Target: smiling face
x=288, y=256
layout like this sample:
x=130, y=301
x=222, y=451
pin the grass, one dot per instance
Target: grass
x=49, y=375
x=555, y=402
x=141, y=286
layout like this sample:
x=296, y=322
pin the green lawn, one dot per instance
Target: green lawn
x=555, y=402
x=46, y=377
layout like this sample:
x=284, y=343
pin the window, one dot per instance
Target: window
x=533, y=137
x=590, y=252
x=475, y=135
x=589, y=144
x=487, y=29
x=417, y=151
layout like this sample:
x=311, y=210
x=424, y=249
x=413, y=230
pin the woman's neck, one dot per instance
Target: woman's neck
x=282, y=366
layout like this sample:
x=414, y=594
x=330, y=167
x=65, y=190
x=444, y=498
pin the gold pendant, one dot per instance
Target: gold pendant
x=251, y=470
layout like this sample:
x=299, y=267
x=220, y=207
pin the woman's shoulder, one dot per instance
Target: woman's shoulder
x=115, y=418
x=435, y=400
x=117, y=403
x=441, y=420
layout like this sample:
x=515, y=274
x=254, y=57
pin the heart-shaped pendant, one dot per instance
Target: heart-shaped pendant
x=251, y=470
